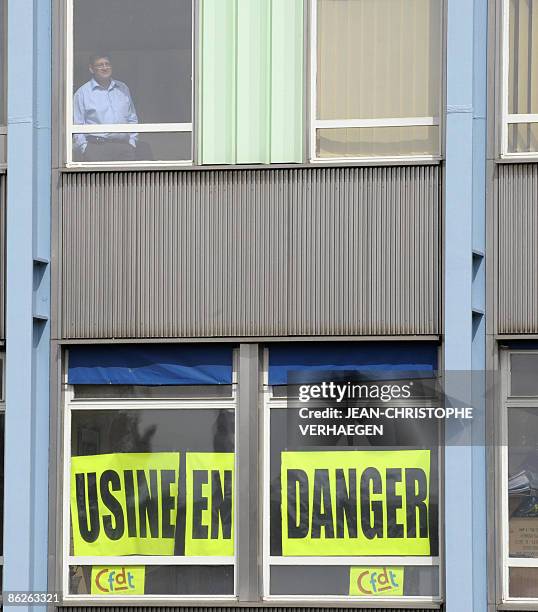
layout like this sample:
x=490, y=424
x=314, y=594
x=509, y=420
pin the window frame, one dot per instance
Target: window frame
x=64, y=148
x=269, y=403
x=69, y=403
x=509, y=401
x=3, y=84
x=507, y=118
x=2, y=413
x=315, y=123
x=168, y=128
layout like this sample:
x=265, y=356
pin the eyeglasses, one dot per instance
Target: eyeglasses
x=102, y=66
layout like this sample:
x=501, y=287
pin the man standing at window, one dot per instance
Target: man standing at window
x=104, y=100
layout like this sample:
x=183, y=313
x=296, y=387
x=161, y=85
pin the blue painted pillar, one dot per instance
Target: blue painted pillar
x=28, y=296
x=478, y=357
x=464, y=346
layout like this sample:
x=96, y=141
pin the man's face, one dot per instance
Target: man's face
x=101, y=69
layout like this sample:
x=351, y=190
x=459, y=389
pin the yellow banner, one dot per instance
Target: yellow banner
x=118, y=580
x=124, y=504
x=345, y=503
x=210, y=493
x=376, y=581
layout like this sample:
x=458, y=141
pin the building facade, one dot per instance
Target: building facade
x=205, y=203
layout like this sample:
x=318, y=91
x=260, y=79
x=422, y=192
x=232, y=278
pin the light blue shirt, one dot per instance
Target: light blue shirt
x=94, y=104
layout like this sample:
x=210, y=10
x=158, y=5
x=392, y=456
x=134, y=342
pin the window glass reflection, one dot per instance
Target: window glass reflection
x=166, y=476
x=132, y=64
x=150, y=391
x=378, y=60
x=96, y=432
x=160, y=146
x=3, y=56
x=523, y=370
x=423, y=436
x=523, y=582
x=523, y=57
x=159, y=580
x=523, y=482
x=335, y=580
x=2, y=426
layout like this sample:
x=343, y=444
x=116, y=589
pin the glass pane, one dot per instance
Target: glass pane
x=378, y=141
x=378, y=58
x=161, y=146
x=132, y=61
x=3, y=63
x=2, y=425
x=355, y=581
x=523, y=481
x=157, y=392
x=523, y=60
x=344, y=498
x=152, y=482
x=3, y=148
x=524, y=374
x=522, y=137
x=151, y=580
x=523, y=582
x=151, y=431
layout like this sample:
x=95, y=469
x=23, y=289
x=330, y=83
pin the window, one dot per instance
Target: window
x=377, y=69
x=339, y=520
x=149, y=493
x=3, y=82
x=2, y=430
x=519, y=452
x=129, y=81
x=149, y=490
x=251, y=81
x=520, y=75
x=375, y=82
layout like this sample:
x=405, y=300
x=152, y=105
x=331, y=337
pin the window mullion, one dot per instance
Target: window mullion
x=248, y=511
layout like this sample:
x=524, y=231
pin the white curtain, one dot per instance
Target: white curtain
x=523, y=74
x=378, y=58
x=523, y=63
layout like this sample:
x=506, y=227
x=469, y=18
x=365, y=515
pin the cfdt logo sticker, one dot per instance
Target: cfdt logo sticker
x=118, y=580
x=376, y=581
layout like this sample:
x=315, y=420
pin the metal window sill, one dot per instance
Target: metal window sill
x=237, y=167
x=74, y=601
x=524, y=159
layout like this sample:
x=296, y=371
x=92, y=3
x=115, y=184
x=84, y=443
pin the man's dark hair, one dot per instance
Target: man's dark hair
x=97, y=56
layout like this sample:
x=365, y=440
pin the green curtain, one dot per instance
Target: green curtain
x=251, y=87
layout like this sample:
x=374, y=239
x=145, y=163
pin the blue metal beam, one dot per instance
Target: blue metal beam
x=28, y=297
x=464, y=349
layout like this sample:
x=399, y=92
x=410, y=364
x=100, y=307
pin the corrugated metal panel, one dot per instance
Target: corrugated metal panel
x=3, y=187
x=518, y=248
x=252, y=81
x=272, y=252
x=364, y=252
x=220, y=609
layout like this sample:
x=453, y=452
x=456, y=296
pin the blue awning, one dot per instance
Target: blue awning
x=153, y=364
x=388, y=357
